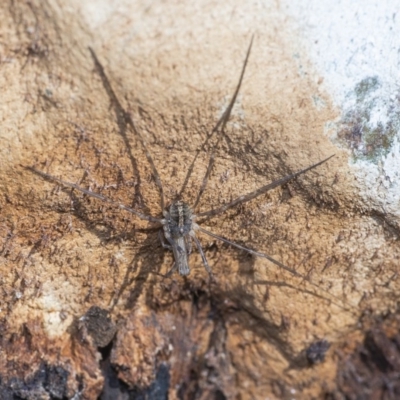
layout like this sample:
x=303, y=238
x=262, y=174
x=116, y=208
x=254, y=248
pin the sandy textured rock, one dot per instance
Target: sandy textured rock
x=174, y=68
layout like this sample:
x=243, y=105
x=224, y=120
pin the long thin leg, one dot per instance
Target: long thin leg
x=205, y=180
x=172, y=270
x=227, y=113
x=95, y=195
x=258, y=192
x=203, y=256
x=279, y=264
x=221, y=122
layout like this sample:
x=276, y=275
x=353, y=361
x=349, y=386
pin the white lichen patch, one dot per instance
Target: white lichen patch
x=355, y=50
x=52, y=307
x=56, y=298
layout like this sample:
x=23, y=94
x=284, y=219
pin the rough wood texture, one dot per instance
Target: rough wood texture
x=248, y=335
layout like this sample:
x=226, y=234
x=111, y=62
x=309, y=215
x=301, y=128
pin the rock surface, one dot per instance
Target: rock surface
x=173, y=69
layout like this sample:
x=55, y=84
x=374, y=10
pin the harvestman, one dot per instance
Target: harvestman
x=178, y=222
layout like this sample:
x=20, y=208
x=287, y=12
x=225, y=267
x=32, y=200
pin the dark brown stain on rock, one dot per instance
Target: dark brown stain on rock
x=372, y=371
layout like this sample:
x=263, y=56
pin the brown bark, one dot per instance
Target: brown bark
x=248, y=335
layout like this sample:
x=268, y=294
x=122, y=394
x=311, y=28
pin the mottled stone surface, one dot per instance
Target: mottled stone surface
x=173, y=68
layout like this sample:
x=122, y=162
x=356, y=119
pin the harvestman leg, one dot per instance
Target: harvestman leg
x=227, y=113
x=221, y=122
x=171, y=271
x=95, y=195
x=157, y=178
x=205, y=180
x=338, y=302
x=211, y=213
x=156, y=175
x=250, y=196
x=107, y=200
x=258, y=192
x=128, y=119
x=203, y=256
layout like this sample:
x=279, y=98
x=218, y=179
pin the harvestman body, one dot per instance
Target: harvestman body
x=178, y=224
